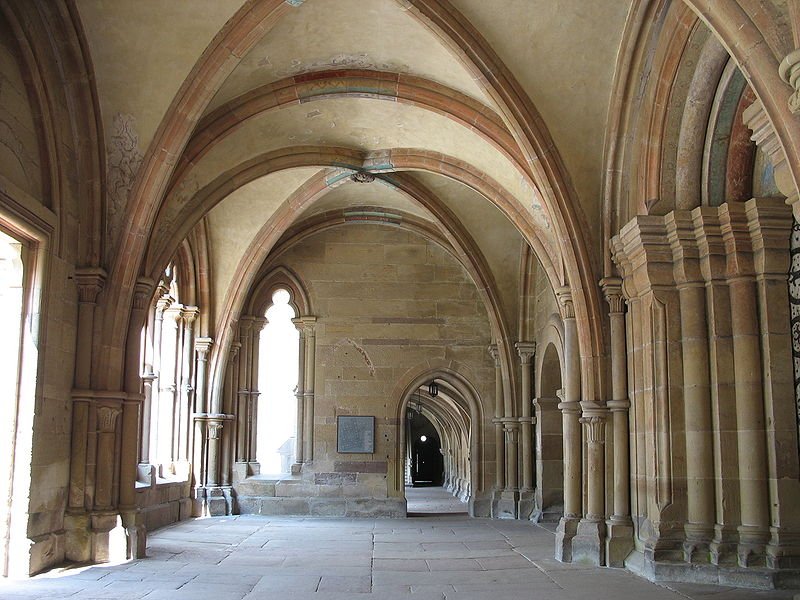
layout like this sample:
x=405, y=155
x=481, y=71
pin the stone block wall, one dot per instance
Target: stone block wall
x=389, y=304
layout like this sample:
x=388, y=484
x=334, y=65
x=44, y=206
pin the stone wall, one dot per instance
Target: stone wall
x=388, y=304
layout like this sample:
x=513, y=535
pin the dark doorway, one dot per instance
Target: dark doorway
x=427, y=464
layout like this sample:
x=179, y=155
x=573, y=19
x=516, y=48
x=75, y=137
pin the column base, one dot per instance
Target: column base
x=752, y=548
x=697, y=546
x=619, y=541
x=96, y=537
x=216, y=501
x=565, y=532
x=504, y=504
x=588, y=545
x=135, y=534
x=783, y=550
x=526, y=505
x=722, y=549
x=480, y=505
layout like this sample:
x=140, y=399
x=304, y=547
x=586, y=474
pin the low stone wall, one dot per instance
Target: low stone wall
x=162, y=502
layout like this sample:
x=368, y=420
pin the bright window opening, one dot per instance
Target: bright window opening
x=277, y=381
x=11, y=304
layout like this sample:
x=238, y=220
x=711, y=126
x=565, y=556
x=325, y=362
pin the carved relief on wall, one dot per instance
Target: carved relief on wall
x=124, y=160
x=794, y=308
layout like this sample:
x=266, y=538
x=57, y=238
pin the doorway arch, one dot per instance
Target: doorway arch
x=457, y=413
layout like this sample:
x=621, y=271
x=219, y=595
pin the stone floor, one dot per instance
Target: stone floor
x=425, y=501
x=448, y=557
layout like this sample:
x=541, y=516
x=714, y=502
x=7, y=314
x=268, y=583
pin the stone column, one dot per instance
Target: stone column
x=588, y=545
x=128, y=447
x=754, y=528
x=526, y=352
x=308, y=390
x=189, y=315
x=255, y=349
x=228, y=401
x=300, y=395
x=699, y=528
x=619, y=528
x=243, y=393
x=570, y=411
x=214, y=430
x=499, y=447
x=202, y=347
x=770, y=224
x=511, y=430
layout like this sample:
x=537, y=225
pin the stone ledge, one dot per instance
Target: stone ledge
x=754, y=578
x=320, y=506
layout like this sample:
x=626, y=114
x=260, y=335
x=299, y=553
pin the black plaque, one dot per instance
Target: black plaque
x=355, y=435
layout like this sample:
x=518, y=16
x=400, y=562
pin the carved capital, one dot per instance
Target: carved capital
x=202, y=345
x=234, y=353
x=789, y=71
x=756, y=120
x=526, y=351
x=595, y=428
x=142, y=293
x=189, y=315
x=214, y=429
x=564, y=297
x=90, y=282
x=107, y=418
x=362, y=177
x=612, y=289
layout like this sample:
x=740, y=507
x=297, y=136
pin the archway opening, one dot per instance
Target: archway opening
x=277, y=379
x=426, y=464
x=437, y=437
x=549, y=440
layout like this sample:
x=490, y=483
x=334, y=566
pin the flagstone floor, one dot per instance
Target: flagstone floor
x=441, y=557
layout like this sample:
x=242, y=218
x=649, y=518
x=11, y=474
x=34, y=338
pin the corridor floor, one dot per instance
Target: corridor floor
x=433, y=558
x=427, y=501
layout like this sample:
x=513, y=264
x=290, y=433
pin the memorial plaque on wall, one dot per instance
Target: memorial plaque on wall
x=355, y=435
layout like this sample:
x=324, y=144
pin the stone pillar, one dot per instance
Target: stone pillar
x=570, y=411
x=255, y=347
x=511, y=430
x=619, y=528
x=308, y=390
x=699, y=528
x=722, y=380
x=588, y=545
x=769, y=222
x=526, y=506
x=754, y=528
x=243, y=393
x=300, y=395
x=202, y=347
x=499, y=444
x=228, y=401
x=135, y=531
x=189, y=316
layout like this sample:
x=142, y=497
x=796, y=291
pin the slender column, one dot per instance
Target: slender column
x=255, y=345
x=619, y=540
x=243, y=393
x=308, y=393
x=526, y=351
x=570, y=411
x=189, y=315
x=299, y=393
x=228, y=401
x=595, y=426
x=202, y=347
x=499, y=447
